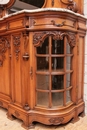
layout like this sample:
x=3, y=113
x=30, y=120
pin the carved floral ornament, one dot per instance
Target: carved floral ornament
x=4, y=45
x=39, y=37
x=16, y=42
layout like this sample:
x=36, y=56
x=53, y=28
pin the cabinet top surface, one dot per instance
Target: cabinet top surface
x=43, y=10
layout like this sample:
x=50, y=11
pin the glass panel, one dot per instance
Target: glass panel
x=42, y=63
x=42, y=82
x=57, y=99
x=57, y=46
x=42, y=98
x=44, y=48
x=57, y=82
x=68, y=80
x=68, y=96
x=68, y=63
x=57, y=63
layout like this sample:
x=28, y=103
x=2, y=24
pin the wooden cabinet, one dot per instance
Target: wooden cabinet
x=42, y=65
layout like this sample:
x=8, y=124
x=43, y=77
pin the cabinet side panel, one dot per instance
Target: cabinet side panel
x=80, y=67
x=4, y=67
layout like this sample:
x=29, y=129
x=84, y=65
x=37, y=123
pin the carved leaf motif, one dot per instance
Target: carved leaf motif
x=4, y=44
x=16, y=42
x=56, y=120
x=39, y=38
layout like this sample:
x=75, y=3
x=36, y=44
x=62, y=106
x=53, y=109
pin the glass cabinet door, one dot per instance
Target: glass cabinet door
x=53, y=73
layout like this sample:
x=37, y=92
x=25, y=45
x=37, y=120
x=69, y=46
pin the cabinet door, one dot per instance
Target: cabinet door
x=54, y=72
x=5, y=68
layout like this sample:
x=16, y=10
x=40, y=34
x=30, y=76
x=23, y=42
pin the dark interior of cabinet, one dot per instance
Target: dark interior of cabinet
x=37, y=3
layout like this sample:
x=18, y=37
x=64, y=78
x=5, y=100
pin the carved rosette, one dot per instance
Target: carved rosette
x=4, y=45
x=39, y=37
x=56, y=120
x=16, y=42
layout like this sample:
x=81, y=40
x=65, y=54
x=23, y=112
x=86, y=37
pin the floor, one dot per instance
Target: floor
x=6, y=124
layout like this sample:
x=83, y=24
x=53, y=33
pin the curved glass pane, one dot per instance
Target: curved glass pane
x=68, y=97
x=57, y=63
x=68, y=63
x=57, y=99
x=42, y=82
x=57, y=46
x=44, y=48
x=42, y=63
x=57, y=82
x=42, y=98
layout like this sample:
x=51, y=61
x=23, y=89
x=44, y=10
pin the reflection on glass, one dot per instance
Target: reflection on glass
x=43, y=82
x=57, y=46
x=68, y=63
x=57, y=82
x=57, y=63
x=68, y=80
x=42, y=99
x=44, y=48
x=68, y=96
x=57, y=99
x=68, y=49
x=42, y=63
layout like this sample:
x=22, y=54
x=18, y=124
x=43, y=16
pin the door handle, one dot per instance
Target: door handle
x=31, y=72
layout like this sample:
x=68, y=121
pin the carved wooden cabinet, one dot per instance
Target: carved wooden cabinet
x=42, y=65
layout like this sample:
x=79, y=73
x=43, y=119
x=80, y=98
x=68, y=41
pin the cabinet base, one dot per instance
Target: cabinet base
x=28, y=117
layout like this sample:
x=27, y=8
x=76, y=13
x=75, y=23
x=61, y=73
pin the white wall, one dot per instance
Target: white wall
x=85, y=72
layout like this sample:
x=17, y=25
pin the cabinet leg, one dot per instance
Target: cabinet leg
x=82, y=114
x=10, y=116
x=28, y=127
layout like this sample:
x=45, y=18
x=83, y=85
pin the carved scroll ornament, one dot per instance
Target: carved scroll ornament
x=39, y=37
x=4, y=45
x=71, y=5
